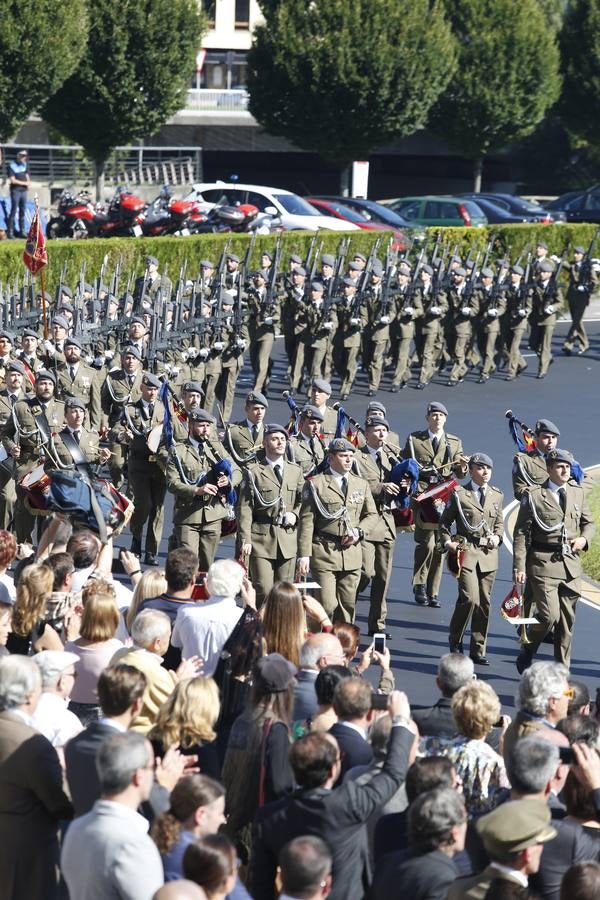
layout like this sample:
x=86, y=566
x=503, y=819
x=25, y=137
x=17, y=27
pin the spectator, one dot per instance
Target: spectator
x=211, y=863
x=476, y=708
x=107, y=852
x=256, y=769
x=352, y=704
x=284, y=621
x=542, y=701
x=305, y=865
x=349, y=637
x=581, y=729
x=8, y=551
x=32, y=630
x=181, y=569
x=18, y=178
x=437, y=825
x=151, y=633
x=94, y=560
x=6, y=611
x=197, y=808
x=318, y=651
x=454, y=671
x=202, y=629
x=336, y=816
x=32, y=800
x=182, y=889
x=325, y=685
x=151, y=584
x=95, y=647
x=581, y=882
x=187, y=718
x=51, y=717
x=579, y=703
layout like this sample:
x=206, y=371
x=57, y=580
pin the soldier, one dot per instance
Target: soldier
x=541, y=255
x=232, y=271
x=327, y=270
x=244, y=438
x=29, y=354
x=197, y=476
x=13, y=391
x=408, y=309
x=529, y=468
x=268, y=510
x=464, y=306
x=435, y=306
x=546, y=296
x=121, y=386
x=146, y=473
x=292, y=304
x=375, y=463
x=191, y=398
x=346, y=342
x=583, y=280
x=440, y=455
x=264, y=317
x=379, y=312
x=151, y=287
x=518, y=309
x=492, y=305
x=475, y=510
x=321, y=321
x=6, y=352
x=76, y=379
x=54, y=348
x=375, y=409
x=307, y=447
x=137, y=336
x=553, y=527
x=320, y=392
x=75, y=444
x=236, y=338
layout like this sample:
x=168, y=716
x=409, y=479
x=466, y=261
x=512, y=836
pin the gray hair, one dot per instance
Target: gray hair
x=19, y=677
x=224, y=578
x=433, y=815
x=316, y=646
x=531, y=764
x=454, y=671
x=148, y=626
x=118, y=757
x=538, y=684
x=379, y=737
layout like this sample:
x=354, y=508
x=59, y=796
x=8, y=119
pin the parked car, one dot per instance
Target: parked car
x=295, y=213
x=371, y=210
x=527, y=210
x=497, y=215
x=347, y=214
x=440, y=211
x=578, y=206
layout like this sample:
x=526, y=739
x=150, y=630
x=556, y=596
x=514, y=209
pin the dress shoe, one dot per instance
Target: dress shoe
x=136, y=547
x=523, y=660
x=370, y=393
x=344, y=396
x=151, y=560
x=567, y=351
x=540, y=376
x=433, y=602
x=482, y=379
x=509, y=378
x=479, y=659
x=456, y=648
x=420, y=386
x=451, y=383
x=582, y=350
x=394, y=389
x=420, y=595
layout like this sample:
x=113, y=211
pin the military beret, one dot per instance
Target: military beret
x=233, y=257
x=354, y=266
x=376, y=406
x=312, y=412
x=579, y=250
x=455, y=258
x=255, y=398
x=268, y=254
x=151, y=261
x=6, y=335
x=349, y=282
x=200, y=415
x=151, y=380
x=112, y=299
x=131, y=350
x=260, y=273
x=377, y=269
x=87, y=288
x=546, y=425
x=517, y=270
x=559, y=456
x=481, y=459
x=273, y=428
x=139, y=319
x=404, y=269
x=487, y=273
x=73, y=342
x=294, y=258
x=74, y=403
x=46, y=294
x=319, y=384
x=436, y=406
x=502, y=263
x=16, y=366
x=514, y=826
x=374, y=421
x=459, y=271
x=317, y=287
x=427, y=268
x=60, y=321
x=328, y=260
x=299, y=271
x=360, y=256
x=226, y=298
x=102, y=289
x=44, y=375
x=542, y=244
x=206, y=264
x=66, y=290
x=192, y=387
x=341, y=445
x=64, y=308
x=30, y=332
x=126, y=297
x=546, y=265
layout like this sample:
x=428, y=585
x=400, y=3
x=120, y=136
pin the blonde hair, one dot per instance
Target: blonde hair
x=476, y=708
x=151, y=584
x=189, y=714
x=35, y=586
x=97, y=586
x=284, y=621
x=100, y=618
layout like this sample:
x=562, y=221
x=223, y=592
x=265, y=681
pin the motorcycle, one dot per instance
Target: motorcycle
x=123, y=217
x=242, y=218
x=76, y=216
x=166, y=215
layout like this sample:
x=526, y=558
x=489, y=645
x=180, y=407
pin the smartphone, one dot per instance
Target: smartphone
x=379, y=642
x=566, y=755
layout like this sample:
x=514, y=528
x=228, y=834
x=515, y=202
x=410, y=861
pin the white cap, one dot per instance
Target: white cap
x=52, y=664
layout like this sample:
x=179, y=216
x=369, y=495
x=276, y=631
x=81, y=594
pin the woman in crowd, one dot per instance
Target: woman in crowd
x=348, y=635
x=152, y=584
x=324, y=687
x=211, y=862
x=188, y=718
x=8, y=551
x=95, y=647
x=284, y=621
x=31, y=631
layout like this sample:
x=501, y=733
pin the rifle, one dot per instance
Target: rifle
x=363, y=284
x=115, y=278
x=524, y=285
x=470, y=286
x=334, y=281
x=434, y=252
x=526, y=252
x=311, y=248
x=585, y=272
x=218, y=281
x=247, y=257
x=311, y=273
x=391, y=260
x=178, y=303
x=552, y=287
x=488, y=250
x=271, y=283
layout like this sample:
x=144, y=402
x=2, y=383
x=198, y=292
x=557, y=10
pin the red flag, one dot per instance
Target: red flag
x=35, y=255
x=529, y=441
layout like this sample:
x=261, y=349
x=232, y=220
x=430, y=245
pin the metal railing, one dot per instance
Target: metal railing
x=205, y=99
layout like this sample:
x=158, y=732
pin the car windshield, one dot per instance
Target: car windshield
x=383, y=214
x=471, y=207
x=295, y=205
x=351, y=214
x=529, y=206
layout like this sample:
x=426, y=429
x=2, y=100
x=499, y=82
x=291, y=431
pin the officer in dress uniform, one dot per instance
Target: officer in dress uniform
x=379, y=312
x=492, y=305
x=76, y=379
x=75, y=433
x=583, y=280
x=268, y=510
x=337, y=510
x=121, y=386
x=545, y=300
x=321, y=320
x=463, y=308
x=13, y=391
x=320, y=392
x=307, y=447
x=431, y=332
x=553, y=527
x=518, y=310
x=529, y=469
x=244, y=438
x=408, y=309
x=346, y=345
x=475, y=511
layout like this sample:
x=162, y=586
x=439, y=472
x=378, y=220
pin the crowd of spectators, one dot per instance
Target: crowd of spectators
x=169, y=740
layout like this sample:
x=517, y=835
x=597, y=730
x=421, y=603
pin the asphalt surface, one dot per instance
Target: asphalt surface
x=569, y=397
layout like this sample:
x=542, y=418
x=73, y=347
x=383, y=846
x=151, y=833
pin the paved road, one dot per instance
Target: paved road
x=568, y=396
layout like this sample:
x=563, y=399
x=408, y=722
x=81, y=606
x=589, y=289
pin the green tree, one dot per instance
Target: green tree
x=580, y=50
x=41, y=42
x=344, y=77
x=132, y=77
x=506, y=79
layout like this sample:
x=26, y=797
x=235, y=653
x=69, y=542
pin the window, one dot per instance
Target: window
x=409, y=210
x=295, y=205
x=433, y=210
x=209, y=8
x=242, y=14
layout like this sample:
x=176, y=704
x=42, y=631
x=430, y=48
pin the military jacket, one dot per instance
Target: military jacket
x=307, y=456
x=262, y=525
x=384, y=528
x=89, y=443
x=449, y=452
x=240, y=444
x=85, y=386
x=472, y=523
x=185, y=467
x=116, y=392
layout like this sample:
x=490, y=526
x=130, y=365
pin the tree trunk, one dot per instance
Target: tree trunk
x=477, y=172
x=99, y=166
x=345, y=181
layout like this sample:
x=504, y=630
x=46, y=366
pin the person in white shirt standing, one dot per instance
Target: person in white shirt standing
x=51, y=717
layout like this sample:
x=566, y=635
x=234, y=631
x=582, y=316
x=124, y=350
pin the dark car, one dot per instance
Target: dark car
x=579, y=206
x=372, y=211
x=342, y=211
x=496, y=215
x=526, y=210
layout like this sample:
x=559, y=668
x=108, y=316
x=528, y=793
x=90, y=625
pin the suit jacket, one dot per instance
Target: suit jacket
x=420, y=876
x=436, y=720
x=464, y=511
x=192, y=508
x=354, y=749
x=32, y=803
x=257, y=524
x=571, y=845
x=305, y=698
x=338, y=817
x=475, y=887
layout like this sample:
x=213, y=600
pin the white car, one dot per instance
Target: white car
x=295, y=213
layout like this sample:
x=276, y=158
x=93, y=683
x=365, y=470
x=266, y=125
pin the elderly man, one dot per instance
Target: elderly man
x=51, y=717
x=542, y=701
x=454, y=671
x=108, y=852
x=32, y=800
x=318, y=651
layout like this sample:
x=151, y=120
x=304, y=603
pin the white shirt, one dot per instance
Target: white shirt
x=54, y=720
x=555, y=488
x=202, y=629
x=9, y=584
x=82, y=576
x=356, y=728
x=514, y=873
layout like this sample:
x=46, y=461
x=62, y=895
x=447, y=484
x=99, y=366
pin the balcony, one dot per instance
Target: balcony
x=215, y=107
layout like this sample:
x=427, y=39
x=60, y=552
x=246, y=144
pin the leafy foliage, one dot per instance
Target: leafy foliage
x=343, y=77
x=580, y=49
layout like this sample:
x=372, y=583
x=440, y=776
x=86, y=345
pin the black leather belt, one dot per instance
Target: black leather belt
x=546, y=548
x=262, y=520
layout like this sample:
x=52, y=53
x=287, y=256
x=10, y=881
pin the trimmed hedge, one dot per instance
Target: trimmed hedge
x=171, y=251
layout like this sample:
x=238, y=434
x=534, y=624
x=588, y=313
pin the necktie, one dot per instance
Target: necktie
x=77, y=435
x=311, y=444
x=278, y=473
x=562, y=499
x=344, y=486
x=13, y=399
x=379, y=461
x=482, y=495
x=150, y=410
x=254, y=431
x=72, y=372
x=130, y=379
x=435, y=443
